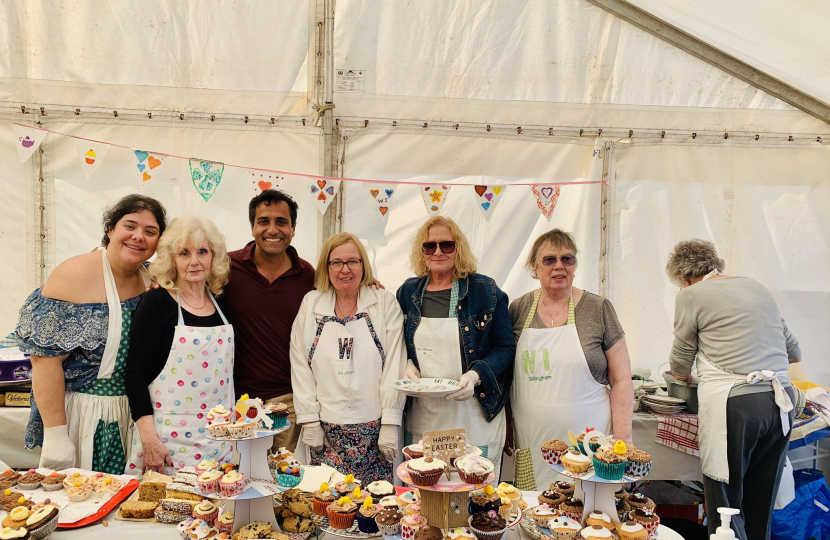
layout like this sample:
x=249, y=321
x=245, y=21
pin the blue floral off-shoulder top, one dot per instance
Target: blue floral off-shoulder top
x=49, y=328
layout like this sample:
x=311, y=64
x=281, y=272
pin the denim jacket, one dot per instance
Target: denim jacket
x=486, y=330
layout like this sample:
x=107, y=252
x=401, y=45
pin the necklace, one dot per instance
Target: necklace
x=191, y=305
x=553, y=316
x=343, y=313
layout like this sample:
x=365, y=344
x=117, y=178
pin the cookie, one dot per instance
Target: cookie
x=279, y=535
x=299, y=502
x=257, y=529
x=298, y=524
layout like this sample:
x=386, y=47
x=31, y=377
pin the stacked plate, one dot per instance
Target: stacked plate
x=664, y=404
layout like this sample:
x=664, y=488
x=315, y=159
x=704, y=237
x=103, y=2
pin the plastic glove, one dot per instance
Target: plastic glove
x=58, y=452
x=412, y=372
x=313, y=435
x=388, y=441
x=156, y=454
x=468, y=382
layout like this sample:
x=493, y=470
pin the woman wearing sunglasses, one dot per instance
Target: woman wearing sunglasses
x=571, y=347
x=458, y=328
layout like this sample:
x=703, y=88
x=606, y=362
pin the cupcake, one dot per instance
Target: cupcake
x=358, y=496
x=469, y=450
x=638, y=500
x=206, y=465
x=487, y=525
x=203, y=531
x=208, y=481
x=596, y=532
x=366, y=517
x=552, y=451
x=631, y=530
x=572, y=508
x=232, y=484
x=428, y=532
x=425, y=471
x=646, y=518
x=41, y=523
x=510, y=491
x=639, y=462
x=459, y=533
x=224, y=522
x=623, y=508
x=412, y=524
x=551, y=498
x=575, y=462
x=563, y=488
x=10, y=476
x=599, y=518
x=621, y=494
x=290, y=475
x=219, y=413
x=506, y=507
x=581, y=439
x=342, y=513
x=184, y=527
x=346, y=486
x=79, y=492
x=242, y=428
x=53, y=482
x=474, y=469
x=544, y=513
x=75, y=478
x=380, y=489
x=412, y=509
x=484, y=500
x=610, y=463
x=218, y=428
x=322, y=499
x=406, y=498
x=564, y=528
x=30, y=480
x=413, y=451
x=8, y=533
x=17, y=517
x=388, y=521
x=107, y=484
x=207, y=512
x=390, y=501
x=278, y=413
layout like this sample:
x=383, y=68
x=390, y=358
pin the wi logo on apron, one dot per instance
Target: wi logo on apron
x=346, y=348
x=529, y=361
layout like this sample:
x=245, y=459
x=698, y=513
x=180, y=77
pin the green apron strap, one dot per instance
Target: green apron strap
x=108, y=452
x=535, y=305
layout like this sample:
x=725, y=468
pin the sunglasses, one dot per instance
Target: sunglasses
x=446, y=247
x=567, y=260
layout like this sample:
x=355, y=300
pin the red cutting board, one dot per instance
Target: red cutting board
x=106, y=508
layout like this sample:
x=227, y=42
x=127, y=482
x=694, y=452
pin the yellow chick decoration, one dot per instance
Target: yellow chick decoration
x=324, y=487
x=356, y=493
x=367, y=504
x=241, y=408
x=619, y=448
x=343, y=501
x=488, y=490
x=349, y=479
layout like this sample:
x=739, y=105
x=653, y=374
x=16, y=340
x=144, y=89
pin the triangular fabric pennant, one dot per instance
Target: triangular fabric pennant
x=91, y=155
x=546, y=197
x=487, y=198
x=262, y=180
x=324, y=190
x=151, y=166
x=28, y=140
x=206, y=176
x=434, y=198
x=595, y=172
x=382, y=195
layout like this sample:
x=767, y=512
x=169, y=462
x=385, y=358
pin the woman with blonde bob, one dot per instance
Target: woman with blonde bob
x=346, y=350
x=180, y=361
x=457, y=328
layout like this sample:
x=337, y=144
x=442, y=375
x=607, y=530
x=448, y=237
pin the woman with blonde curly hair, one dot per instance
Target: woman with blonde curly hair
x=180, y=362
x=457, y=327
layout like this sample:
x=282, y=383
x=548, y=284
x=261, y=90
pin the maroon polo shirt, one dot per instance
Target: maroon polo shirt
x=262, y=314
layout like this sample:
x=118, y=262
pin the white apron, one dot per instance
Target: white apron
x=553, y=392
x=438, y=347
x=196, y=378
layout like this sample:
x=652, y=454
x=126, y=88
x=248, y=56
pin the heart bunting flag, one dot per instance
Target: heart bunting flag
x=487, y=198
x=324, y=191
x=434, y=198
x=382, y=195
x=27, y=141
x=150, y=166
x=546, y=197
x=91, y=155
x=206, y=176
x=262, y=180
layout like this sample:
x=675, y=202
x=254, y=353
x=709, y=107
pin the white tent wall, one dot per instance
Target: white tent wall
x=764, y=207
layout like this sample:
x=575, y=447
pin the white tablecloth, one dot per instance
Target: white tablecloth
x=13, y=429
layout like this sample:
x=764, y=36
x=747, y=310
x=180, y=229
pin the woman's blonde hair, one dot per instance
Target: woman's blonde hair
x=321, y=273
x=171, y=243
x=555, y=237
x=465, y=261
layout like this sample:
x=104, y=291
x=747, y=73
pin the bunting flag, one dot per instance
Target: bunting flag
x=595, y=172
x=546, y=197
x=206, y=176
x=434, y=198
x=28, y=140
x=262, y=180
x=487, y=198
x=91, y=155
x=324, y=192
x=382, y=195
x=151, y=166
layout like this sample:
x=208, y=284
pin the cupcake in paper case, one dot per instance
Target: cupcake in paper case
x=290, y=476
x=484, y=500
x=208, y=481
x=390, y=501
x=14, y=533
x=342, y=513
x=412, y=524
x=184, y=527
x=43, y=522
x=425, y=471
x=610, y=463
x=552, y=451
x=512, y=493
x=544, y=513
x=487, y=525
x=242, y=428
x=564, y=528
x=599, y=518
x=637, y=500
x=551, y=498
x=646, y=518
x=322, y=499
x=631, y=530
x=366, y=517
x=575, y=462
x=206, y=511
x=220, y=413
x=639, y=462
x=278, y=413
x=406, y=498
x=428, y=532
x=469, y=450
x=388, y=521
x=563, y=488
x=412, y=509
x=380, y=489
x=218, y=428
x=346, y=486
x=30, y=480
x=232, y=484
x=203, y=531
x=458, y=533
x=623, y=508
x=621, y=494
x=224, y=522
x=572, y=508
x=107, y=484
x=413, y=451
x=53, y=482
x=206, y=465
x=358, y=497
x=474, y=469
x=506, y=507
x=597, y=532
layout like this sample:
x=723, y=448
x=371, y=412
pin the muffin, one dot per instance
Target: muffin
x=427, y=532
x=206, y=511
x=596, y=532
x=487, y=525
x=552, y=451
x=610, y=463
x=623, y=508
x=484, y=500
x=425, y=471
x=506, y=507
x=290, y=475
x=203, y=531
x=366, y=517
x=232, y=484
x=53, y=482
x=544, y=513
x=322, y=499
x=79, y=492
x=184, y=527
x=414, y=451
x=460, y=533
x=581, y=439
x=73, y=479
x=412, y=524
x=564, y=528
x=575, y=462
x=380, y=489
x=388, y=521
x=621, y=494
x=278, y=413
x=474, y=469
x=639, y=462
x=572, y=508
x=342, y=513
x=599, y=518
x=646, y=518
x=30, y=480
x=107, y=484
x=224, y=522
x=551, y=498
x=638, y=500
x=208, y=481
x=242, y=428
x=631, y=530
x=41, y=523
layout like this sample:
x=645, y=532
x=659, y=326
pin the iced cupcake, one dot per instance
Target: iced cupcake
x=563, y=488
x=572, y=508
x=206, y=511
x=597, y=532
x=610, y=463
x=544, y=513
x=646, y=518
x=224, y=522
x=388, y=521
x=412, y=524
x=41, y=523
x=342, y=513
x=53, y=482
x=575, y=462
x=511, y=492
x=487, y=525
x=232, y=484
x=414, y=451
x=242, y=428
x=322, y=499
x=219, y=413
x=346, y=486
x=218, y=427
x=639, y=462
x=623, y=508
x=206, y=465
x=380, y=489
x=366, y=517
x=30, y=480
x=428, y=532
x=407, y=497
x=459, y=533
x=599, y=518
x=484, y=500
x=412, y=509
x=631, y=530
x=208, y=481
x=474, y=469
x=564, y=528
x=425, y=471
x=638, y=500
x=551, y=498
x=358, y=496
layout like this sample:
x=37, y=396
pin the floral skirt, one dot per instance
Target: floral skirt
x=354, y=450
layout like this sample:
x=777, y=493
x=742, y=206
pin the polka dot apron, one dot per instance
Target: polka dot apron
x=198, y=376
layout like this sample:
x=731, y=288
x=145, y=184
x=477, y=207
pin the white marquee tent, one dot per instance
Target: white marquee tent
x=479, y=92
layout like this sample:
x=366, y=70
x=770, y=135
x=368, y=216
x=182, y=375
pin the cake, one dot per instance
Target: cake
x=414, y=451
x=358, y=496
x=346, y=486
x=20, y=533
x=138, y=509
x=224, y=522
x=184, y=527
x=596, y=532
x=411, y=524
x=30, y=480
x=206, y=465
x=278, y=413
x=469, y=450
x=232, y=484
x=564, y=528
x=646, y=518
x=575, y=462
x=639, y=462
x=74, y=478
x=166, y=516
x=622, y=509
x=208, y=481
x=16, y=518
x=544, y=513
x=53, y=482
x=41, y=523
x=425, y=471
x=487, y=525
x=428, y=532
x=459, y=533
x=512, y=493
x=551, y=498
x=242, y=428
x=206, y=511
x=10, y=476
x=406, y=498
x=178, y=490
x=473, y=469
x=638, y=500
x=219, y=412
x=390, y=501
x=218, y=428
x=366, y=517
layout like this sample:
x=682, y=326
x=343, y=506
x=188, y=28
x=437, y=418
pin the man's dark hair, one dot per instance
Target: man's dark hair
x=269, y=197
x=132, y=204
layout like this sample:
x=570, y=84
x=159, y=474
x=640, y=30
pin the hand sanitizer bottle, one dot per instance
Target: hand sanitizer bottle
x=725, y=532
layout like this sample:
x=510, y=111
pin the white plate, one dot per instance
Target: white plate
x=427, y=387
x=666, y=400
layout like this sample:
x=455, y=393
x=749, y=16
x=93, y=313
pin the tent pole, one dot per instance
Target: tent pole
x=329, y=219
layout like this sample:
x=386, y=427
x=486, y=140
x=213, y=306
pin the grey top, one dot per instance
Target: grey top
x=736, y=324
x=437, y=306
x=596, y=324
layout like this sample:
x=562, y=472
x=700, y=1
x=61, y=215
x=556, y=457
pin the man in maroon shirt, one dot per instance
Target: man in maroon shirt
x=267, y=284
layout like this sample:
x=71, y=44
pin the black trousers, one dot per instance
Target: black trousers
x=755, y=451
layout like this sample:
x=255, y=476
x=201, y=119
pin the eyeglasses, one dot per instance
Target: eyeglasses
x=354, y=264
x=567, y=260
x=446, y=247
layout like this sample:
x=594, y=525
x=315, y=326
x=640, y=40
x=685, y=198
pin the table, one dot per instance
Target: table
x=12, y=452
x=667, y=463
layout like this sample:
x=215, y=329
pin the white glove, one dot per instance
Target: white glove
x=468, y=382
x=57, y=452
x=412, y=372
x=313, y=435
x=388, y=441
